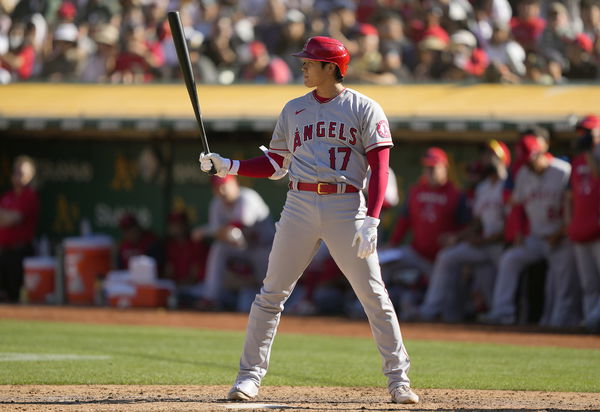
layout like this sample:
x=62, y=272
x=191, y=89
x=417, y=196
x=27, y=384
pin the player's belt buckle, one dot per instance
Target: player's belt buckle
x=319, y=192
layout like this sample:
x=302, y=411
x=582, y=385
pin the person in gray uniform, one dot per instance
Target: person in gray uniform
x=326, y=140
x=240, y=222
x=541, y=188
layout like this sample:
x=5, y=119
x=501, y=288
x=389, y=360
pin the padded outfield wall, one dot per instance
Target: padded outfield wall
x=104, y=150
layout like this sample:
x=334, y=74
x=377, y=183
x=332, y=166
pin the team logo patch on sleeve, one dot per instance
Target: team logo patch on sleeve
x=383, y=129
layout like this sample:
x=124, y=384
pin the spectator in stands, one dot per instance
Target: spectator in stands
x=291, y=39
x=431, y=60
x=590, y=17
x=223, y=48
x=184, y=260
x=540, y=187
x=64, y=60
x=527, y=27
x=17, y=61
x=366, y=65
x=264, y=68
x=139, y=60
x=480, y=244
x=240, y=223
x=468, y=61
x=342, y=23
x=584, y=214
x=581, y=64
x=135, y=240
x=398, y=54
x=434, y=211
x=268, y=27
x=507, y=57
x=19, y=211
x=558, y=31
x=101, y=63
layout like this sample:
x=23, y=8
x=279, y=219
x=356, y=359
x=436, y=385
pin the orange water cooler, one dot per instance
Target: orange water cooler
x=87, y=261
x=39, y=273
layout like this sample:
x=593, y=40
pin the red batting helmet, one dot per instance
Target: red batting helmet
x=326, y=49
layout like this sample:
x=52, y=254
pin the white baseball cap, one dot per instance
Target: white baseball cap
x=66, y=32
x=464, y=37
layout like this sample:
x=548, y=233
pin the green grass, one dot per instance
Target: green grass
x=170, y=356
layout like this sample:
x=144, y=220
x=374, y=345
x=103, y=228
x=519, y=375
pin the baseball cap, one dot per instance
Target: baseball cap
x=217, y=181
x=257, y=49
x=500, y=150
x=584, y=42
x=66, y=32
x=106, y=34
x=434, y=156
x=589, y=122
x=67, y=10
x=366, y=29
x=530, y=146
x=464, y=37
x=294, y=16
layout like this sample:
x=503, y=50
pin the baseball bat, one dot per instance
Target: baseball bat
x=188, y=75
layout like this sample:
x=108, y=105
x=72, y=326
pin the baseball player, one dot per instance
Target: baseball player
x=326, y=140
x=240, y=222
x=584, y=226
x=433, y=211
x=481, y=245
x=540, y=187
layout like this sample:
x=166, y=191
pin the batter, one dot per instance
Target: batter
x=326, y=140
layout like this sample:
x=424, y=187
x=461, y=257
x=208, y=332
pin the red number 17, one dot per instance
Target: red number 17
x=346, y=151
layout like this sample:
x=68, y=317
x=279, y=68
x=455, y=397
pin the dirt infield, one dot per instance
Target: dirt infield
x=211, y=398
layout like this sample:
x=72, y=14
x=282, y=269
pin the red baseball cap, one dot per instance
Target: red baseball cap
x=530, y=146
x=217, y=181
x=584, y=42
x=434, y=156
x=67, y=10
x=500, y=149
x=366, y=29
x=589, y=122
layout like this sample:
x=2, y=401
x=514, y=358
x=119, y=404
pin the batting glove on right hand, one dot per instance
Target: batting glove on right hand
x=366, y=237
x=210, y=160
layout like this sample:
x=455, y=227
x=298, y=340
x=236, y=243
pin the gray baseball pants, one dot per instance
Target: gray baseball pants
x=306, y=219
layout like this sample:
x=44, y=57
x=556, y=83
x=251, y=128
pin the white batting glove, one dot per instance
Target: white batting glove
x=221, y=164
x=366, y=237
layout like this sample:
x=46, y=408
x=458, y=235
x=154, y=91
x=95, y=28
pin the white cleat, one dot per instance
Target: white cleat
x=243, y=391
x=403, y=394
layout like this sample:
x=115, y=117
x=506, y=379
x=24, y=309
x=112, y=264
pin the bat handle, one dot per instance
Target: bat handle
x=213, y=170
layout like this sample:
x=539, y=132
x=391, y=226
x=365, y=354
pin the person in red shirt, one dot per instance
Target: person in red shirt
x=17, y=63
x=528, y=26
x=185, y=259
x=584, y=225
x=135, y=240
x=434, y=212
x=19, y=210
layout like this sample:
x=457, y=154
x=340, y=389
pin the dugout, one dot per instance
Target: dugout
x=106, y=149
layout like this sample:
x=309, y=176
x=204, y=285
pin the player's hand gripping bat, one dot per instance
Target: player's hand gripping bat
x=188, y=75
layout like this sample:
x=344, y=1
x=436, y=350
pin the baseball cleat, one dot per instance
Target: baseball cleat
x=237, y=395
x=403, y=394
x=243, y=391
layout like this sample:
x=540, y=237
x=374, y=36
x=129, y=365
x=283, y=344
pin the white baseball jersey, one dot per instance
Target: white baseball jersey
x=328, y=141
x=249, y=209
x=542, y=196
x=488, y=205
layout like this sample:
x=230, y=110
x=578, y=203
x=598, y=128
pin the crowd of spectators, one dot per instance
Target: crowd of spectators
x=390, y=41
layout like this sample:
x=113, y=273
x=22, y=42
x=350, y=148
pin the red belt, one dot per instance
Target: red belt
x=322, y=188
